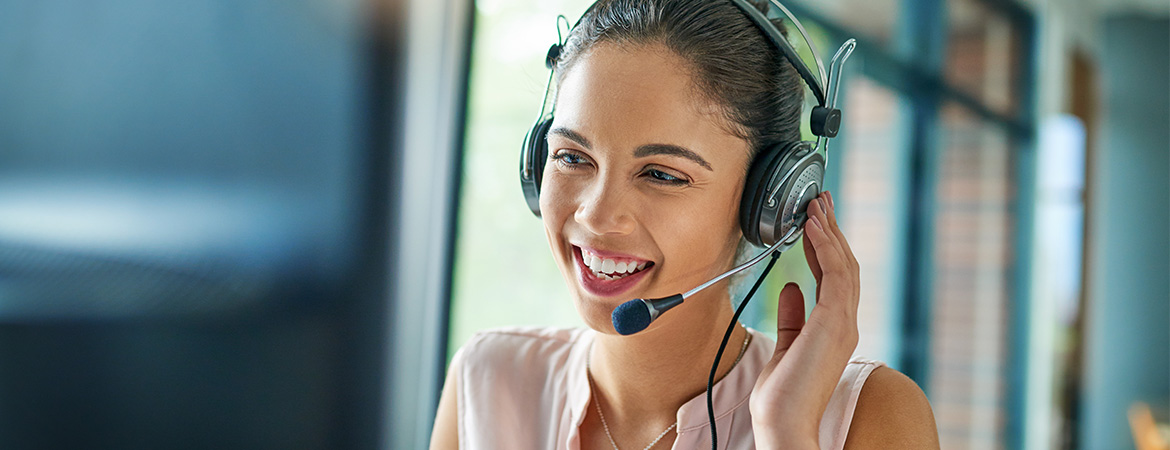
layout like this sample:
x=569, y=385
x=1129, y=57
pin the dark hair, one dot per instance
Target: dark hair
x=732, y=62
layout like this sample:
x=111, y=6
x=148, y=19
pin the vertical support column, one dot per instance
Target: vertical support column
x=1017, y=383
x=1127, y=346
x=438, y=37
x=367, y=348
x=922, y=39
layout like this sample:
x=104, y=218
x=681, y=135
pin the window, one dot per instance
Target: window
x=872, y=208
x=499, y=240
x=973, y=225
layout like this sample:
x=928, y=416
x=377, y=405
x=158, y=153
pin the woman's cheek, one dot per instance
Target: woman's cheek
x=552, y=198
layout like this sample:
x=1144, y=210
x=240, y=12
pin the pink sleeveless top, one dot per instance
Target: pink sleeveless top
x=526, y=389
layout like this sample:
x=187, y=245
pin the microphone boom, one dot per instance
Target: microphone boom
x=637, y=314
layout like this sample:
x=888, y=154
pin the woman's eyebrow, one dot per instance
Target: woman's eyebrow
x=572, y=136
x=673, y=150
x=640, y=152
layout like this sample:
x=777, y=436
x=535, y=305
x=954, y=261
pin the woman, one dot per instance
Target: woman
x=660, y=107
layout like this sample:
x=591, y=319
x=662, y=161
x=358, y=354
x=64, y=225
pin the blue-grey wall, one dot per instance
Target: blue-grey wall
x=196, y=206
x=1128, y=337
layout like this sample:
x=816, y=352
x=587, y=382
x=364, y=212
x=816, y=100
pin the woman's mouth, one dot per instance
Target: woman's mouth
x=607, y=274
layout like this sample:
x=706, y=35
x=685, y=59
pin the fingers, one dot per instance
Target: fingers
x=834, y=258
x=825, y=241
x=852, y=267
x=832, y=214
x=810, y=253
x=789, y=317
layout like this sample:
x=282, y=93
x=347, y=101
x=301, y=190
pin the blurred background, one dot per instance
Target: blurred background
x=269, y=224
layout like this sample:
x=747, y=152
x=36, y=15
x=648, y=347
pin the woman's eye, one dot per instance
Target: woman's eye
x=663, y=177
x=568, y=159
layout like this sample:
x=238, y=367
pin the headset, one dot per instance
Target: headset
x=782, y=179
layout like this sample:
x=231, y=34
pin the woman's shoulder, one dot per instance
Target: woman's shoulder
x=846, y=405
x=525, y=347
x=891, y=412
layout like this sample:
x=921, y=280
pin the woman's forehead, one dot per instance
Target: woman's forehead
x=629, y=95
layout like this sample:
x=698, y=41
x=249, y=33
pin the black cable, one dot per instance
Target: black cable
x=723, y=345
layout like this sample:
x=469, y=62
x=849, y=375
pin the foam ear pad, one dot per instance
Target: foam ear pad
x=764, y=222
x=532, y=158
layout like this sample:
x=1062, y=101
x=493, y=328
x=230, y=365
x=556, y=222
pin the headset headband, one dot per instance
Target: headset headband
x=785, y=48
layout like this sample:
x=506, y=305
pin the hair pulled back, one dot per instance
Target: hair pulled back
x=731, y=60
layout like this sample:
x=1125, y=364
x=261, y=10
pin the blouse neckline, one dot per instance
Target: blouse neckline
x=729, y=394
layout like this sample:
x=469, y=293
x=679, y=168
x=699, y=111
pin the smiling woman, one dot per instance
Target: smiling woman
x=662, y=106
x=614, y=196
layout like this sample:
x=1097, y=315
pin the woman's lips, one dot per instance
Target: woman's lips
x=603, y=285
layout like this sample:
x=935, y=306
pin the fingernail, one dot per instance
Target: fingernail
x=824, y=206
x=830, y=195
x=816, y=223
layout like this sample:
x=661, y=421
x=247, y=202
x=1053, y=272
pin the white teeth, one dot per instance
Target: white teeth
x=608, y=269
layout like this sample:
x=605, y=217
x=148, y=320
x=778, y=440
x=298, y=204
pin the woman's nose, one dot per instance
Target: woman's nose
x=604, y=209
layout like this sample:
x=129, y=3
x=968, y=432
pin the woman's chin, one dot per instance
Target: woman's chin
x=596, y=312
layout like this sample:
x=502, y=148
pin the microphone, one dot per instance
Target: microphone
x=637, y=314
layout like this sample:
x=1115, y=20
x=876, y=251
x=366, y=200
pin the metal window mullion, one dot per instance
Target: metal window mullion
x=918, y=280
x=922, y=39
x=1015, y=396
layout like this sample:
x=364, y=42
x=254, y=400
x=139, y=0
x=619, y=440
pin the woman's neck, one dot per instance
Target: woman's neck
x=644, y=378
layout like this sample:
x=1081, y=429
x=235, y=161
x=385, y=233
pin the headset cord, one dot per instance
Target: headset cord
x=723, y=345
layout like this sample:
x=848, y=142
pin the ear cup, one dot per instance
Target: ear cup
x=762, y=168
x=533, y=155
x=799, y=172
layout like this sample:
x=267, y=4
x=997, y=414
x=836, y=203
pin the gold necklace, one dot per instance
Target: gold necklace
x=742, y=349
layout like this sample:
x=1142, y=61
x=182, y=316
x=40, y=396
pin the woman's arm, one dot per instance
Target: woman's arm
x=892, y=412
x=445, y=435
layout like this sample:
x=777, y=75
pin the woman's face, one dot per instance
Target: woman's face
x=641, y=191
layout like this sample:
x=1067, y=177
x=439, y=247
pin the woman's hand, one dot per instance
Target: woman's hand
x=794, y=389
